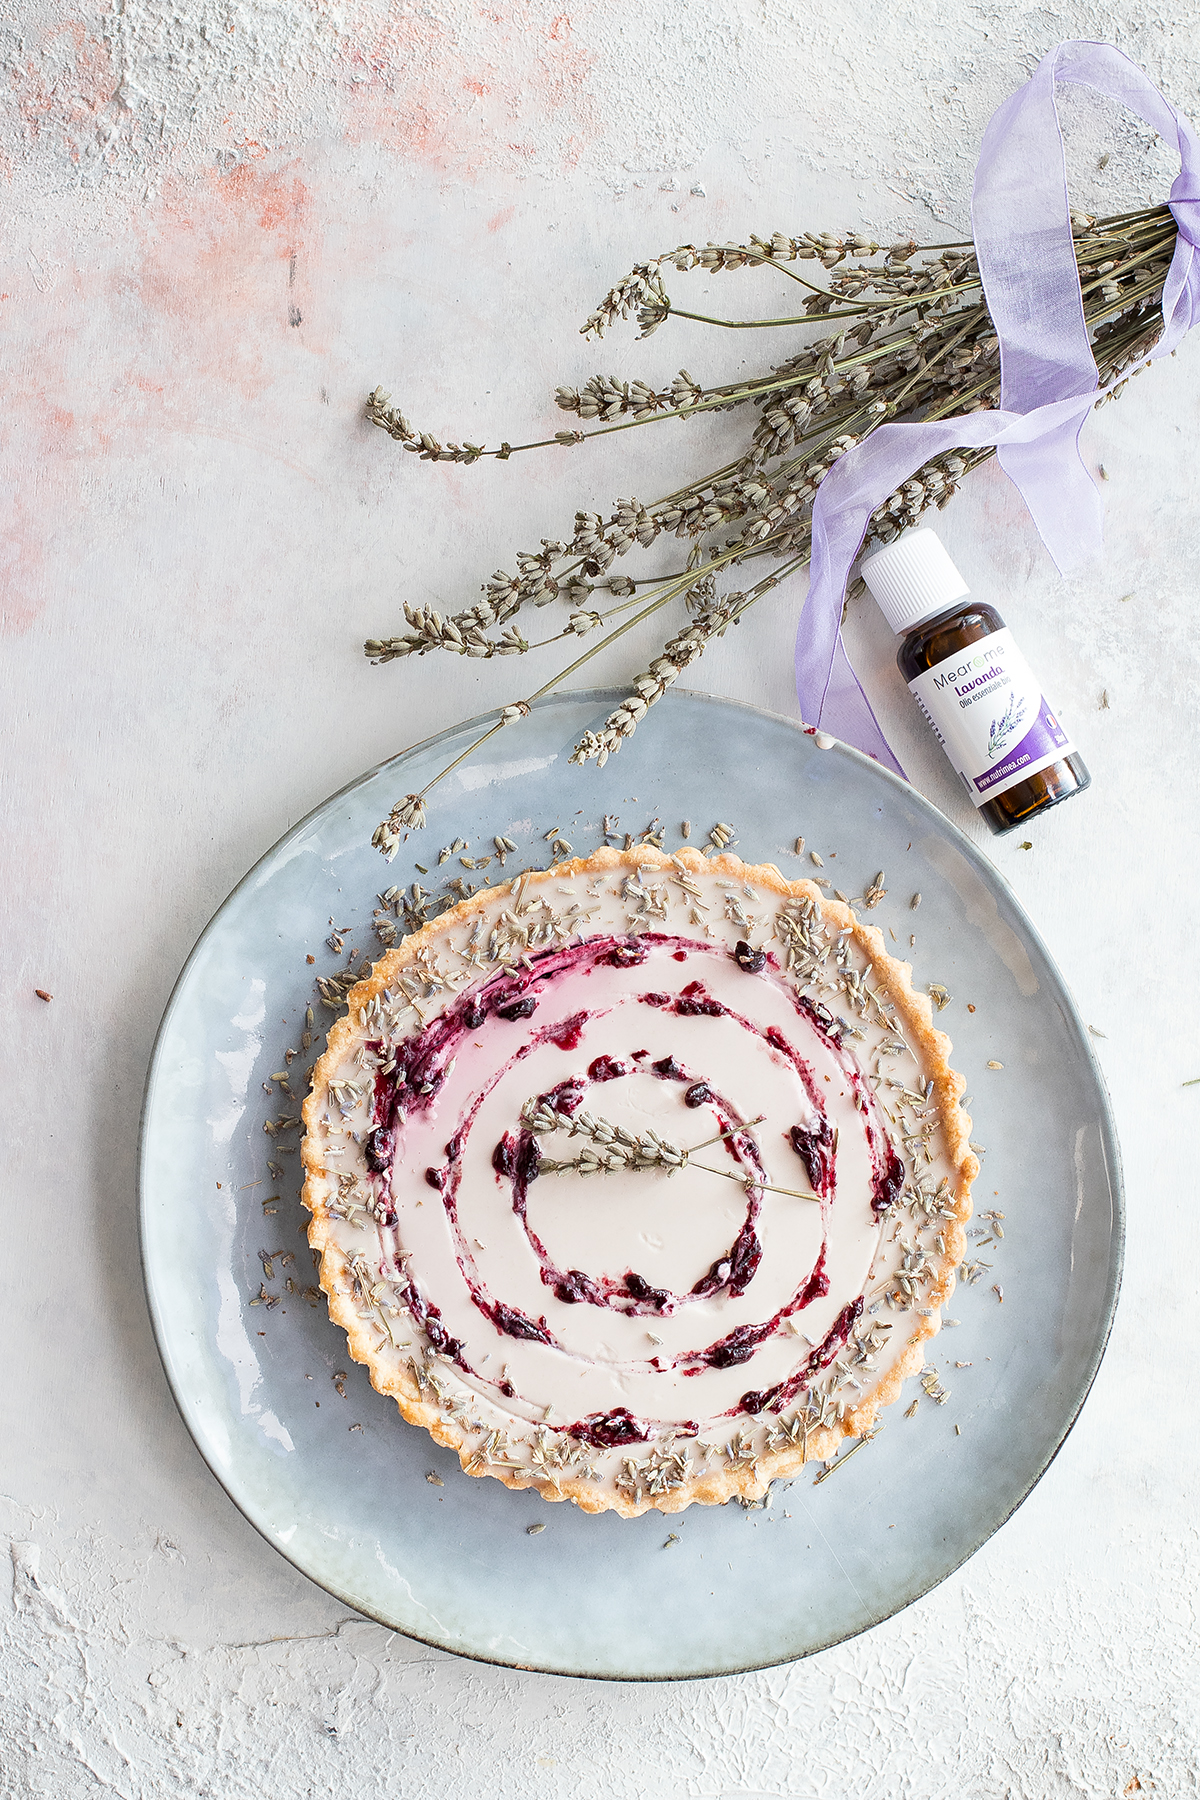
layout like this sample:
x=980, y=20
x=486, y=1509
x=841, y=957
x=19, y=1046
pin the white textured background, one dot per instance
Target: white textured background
x=222, y=222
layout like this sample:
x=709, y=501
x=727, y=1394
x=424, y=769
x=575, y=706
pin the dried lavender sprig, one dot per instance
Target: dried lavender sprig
x=605, y=397
x=719, y=399
x=903, y=508
x=615, y=1148
x=1127, y=319
x=788, y=421
x=642, y=287
x=901, y=288
x=929, y=487
x=686, y=647
x=409, y=814
x=805, y=415
x=597, y=543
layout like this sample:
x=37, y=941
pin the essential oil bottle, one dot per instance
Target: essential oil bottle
x=974, y=686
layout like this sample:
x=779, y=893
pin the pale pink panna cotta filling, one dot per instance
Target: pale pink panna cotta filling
x=631, y=1304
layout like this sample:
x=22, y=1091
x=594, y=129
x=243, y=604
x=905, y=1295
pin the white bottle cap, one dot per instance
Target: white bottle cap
x=913, y=579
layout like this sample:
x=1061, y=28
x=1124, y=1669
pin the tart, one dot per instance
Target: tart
x=639, y=1180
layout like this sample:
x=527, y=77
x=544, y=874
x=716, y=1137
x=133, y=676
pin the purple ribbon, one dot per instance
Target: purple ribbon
x=1049, y=382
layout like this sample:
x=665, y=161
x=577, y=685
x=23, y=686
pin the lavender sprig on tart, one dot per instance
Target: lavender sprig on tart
x=640, y=1180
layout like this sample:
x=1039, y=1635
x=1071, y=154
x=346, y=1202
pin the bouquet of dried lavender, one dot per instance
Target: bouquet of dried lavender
x=910, y=338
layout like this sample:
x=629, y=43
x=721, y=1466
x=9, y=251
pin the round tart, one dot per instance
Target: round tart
x=639, y=1180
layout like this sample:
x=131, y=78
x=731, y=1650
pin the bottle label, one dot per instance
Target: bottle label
x=990, y=716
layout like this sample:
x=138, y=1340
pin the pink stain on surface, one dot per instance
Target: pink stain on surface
x=22, y=565
x=199, y=309
x=263, y=197
x=59, y=429
x=52, y=431
x=227, y=257
x=529, y=80
x=62, y=82
x=185, y=328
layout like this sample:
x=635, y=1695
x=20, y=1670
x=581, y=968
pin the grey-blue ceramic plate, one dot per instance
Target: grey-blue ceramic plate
x=341, y=1488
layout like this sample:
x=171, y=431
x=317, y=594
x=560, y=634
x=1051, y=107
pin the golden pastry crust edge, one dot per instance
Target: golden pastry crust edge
x=711, y=1487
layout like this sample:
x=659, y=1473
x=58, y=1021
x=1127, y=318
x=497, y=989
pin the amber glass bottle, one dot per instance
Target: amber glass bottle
x=974, y=686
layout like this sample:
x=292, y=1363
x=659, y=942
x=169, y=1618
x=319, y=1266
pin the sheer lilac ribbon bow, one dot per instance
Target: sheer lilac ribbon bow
x=1022, y=227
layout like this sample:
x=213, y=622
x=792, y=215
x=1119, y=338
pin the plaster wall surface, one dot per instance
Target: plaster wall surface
x=223, y=224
